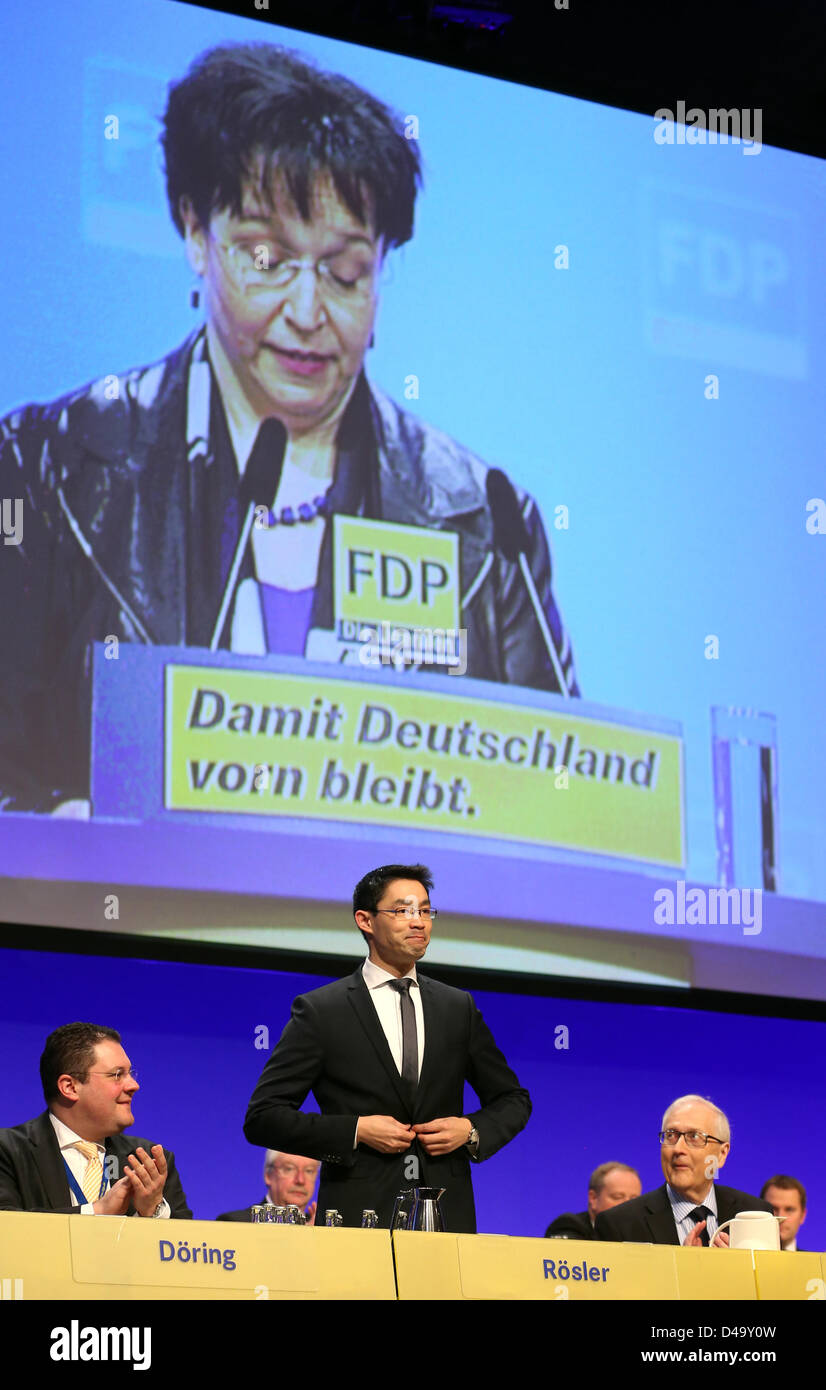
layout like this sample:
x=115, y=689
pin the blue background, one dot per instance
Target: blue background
x=190, y=1032
x=686, y=516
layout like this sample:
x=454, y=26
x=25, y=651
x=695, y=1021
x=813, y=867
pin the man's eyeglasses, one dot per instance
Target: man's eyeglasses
x=694, y=1138
x=426, y=913
x=260, y=268
x=118, y=1075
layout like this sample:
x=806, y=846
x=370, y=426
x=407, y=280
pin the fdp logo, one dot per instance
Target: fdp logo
x=725, y=280
x=407, y=576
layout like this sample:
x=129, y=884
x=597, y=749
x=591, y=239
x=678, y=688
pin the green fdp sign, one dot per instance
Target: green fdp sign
x=388, y=573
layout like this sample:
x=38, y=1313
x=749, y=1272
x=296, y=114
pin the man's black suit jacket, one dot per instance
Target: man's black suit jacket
x=572, y=1225
x=335, y=1047
x=33, y=1178
x=243, y=1213
x=650, y=1218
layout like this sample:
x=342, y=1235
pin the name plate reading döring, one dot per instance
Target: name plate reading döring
x=226, y=1256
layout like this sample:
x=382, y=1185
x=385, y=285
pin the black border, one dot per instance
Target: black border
x=76, y=941
x=635, y=57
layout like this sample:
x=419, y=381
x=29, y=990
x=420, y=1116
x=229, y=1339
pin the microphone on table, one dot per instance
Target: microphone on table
x=510, y=536
x=259, y=485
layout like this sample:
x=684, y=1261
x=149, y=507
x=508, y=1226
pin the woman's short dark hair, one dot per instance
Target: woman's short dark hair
x=239, y=102
x=71, y=1049
x=369, y=889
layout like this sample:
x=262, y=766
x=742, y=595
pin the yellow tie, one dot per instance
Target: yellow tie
x=94, y=1169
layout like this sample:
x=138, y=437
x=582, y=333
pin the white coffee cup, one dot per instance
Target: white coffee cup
x=753, y=1230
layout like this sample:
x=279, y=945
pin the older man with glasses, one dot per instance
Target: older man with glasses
x=290, y=1181
x=695, y=1140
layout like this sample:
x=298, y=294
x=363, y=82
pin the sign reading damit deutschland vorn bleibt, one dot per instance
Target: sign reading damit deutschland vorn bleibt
x=348, y=751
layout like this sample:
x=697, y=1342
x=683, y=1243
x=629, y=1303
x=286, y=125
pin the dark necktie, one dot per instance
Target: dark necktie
x=700, y=1214
x=410, y=1037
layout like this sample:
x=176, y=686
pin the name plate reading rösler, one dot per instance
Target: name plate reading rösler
x=521, y=1268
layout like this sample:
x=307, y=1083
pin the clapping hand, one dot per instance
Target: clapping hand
x=147, y=1175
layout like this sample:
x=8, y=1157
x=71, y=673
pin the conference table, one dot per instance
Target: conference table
x=45, y=1256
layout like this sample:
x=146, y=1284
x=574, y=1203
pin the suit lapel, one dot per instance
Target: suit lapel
x=728, y=1203
x=359, y=997
x=660, y=1218
x=49, y=1164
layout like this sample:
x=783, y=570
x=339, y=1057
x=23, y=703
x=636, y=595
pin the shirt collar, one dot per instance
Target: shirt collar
x=66, y=1137
x=681, y=1206
x=376, y=975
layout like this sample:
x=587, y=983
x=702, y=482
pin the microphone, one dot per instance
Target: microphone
x=510, y=536
x=259, y=485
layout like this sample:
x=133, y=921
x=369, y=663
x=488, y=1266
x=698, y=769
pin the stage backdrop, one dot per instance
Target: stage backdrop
x=600, y=1076
x=626, y=321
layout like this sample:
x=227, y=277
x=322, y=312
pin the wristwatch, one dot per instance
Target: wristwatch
x=472, y=1141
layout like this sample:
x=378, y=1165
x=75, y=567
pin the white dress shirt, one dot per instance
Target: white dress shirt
x=78, y=1163
x=75, y=1160
x=388, y=1005
x=681, y=1206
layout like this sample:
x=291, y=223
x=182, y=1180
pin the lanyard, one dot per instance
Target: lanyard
x=82, y=1199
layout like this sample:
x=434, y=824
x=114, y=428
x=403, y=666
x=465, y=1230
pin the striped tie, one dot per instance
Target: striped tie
x=94, y=1169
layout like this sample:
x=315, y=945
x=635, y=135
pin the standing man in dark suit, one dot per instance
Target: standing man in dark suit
x=694, y=1143
x=74, y=1158
x=386, y=1053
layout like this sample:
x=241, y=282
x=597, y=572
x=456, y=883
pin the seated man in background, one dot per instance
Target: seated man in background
x=290, y=1181
x=608, y=1186
x=74, y=1157
x=694, y=1143
x=788, y=1200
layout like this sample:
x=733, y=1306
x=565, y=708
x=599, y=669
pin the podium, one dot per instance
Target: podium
x=45, y=1256
x=118, y=1257
x=511, y=1268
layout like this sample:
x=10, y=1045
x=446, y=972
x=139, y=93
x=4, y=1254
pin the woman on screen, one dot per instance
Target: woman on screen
x=190, y=502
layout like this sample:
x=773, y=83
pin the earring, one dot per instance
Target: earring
x=195, y=295
x=372, y=342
